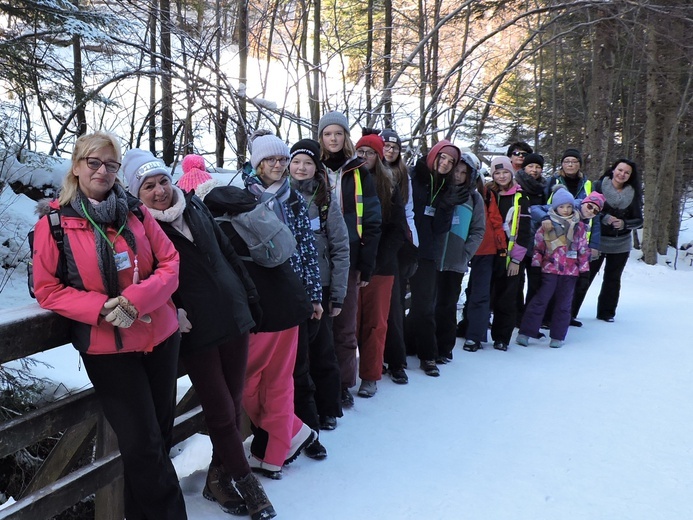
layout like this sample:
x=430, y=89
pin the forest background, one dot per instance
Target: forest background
x=613, y=78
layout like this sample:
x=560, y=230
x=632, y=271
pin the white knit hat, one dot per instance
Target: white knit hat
x=266, y=146
x=139, y=164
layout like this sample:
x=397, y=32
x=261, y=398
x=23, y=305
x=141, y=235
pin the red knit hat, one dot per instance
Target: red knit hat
x=443, y=146
x=194, y=173
x=372, y=141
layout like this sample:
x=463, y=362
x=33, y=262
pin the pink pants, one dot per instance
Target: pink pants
x=371, y=329
x=268, y=396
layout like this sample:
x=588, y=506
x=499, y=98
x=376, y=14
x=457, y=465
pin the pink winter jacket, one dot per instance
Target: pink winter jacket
x=558, y=262
x=83, y=300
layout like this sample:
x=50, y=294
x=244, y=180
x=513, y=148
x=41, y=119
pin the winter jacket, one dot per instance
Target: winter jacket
x=214, y=286
x=394, y=233
x=455, y=248
x=84, y=294
x=494, y=237
x=592, y=227
x=618, y=240
x=506, y=207
x=363, y=246
x=283, y=297
x=423, y=195
x=563, y=261
x=578, y=186
x=331, y=240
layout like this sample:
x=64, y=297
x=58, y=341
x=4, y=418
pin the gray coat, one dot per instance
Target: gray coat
x=455, y=248
x=331, y=241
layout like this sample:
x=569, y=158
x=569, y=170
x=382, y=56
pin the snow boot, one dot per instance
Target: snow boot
x=219, y=488
x=259, y=506
x=521, y=339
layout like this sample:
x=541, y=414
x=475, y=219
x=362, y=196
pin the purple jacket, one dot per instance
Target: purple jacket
x=563, y=261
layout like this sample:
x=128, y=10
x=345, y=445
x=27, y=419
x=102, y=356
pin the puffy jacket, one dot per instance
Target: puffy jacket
x=214, y=286
x=506, y=207
x=559, y=261
x=579, y=186
x=592, y=226
x=331, y=241
x=82, y=299
x=494, y=236
x=363, y=248
x=455, y=248
x=631, y=216
x=394, y=233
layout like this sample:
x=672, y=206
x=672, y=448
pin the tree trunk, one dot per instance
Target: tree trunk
x=314, y=99
x=387, y=67
x=222, y=112
x=168, y=144
x=241, y=134
x=153, y=17
x=77, y=81
x=369, y=65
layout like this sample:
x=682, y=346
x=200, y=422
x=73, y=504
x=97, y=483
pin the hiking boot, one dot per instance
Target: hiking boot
x=472, y=346
x=574, y=322
x=328, y=422
x=442, y=360
x=522, y=340
x=303, y=438
x=347, y=398
x=607, y=319
x=259, y=506
x=429, y=367
x=315, y=450
x=399, y=376
x=218, y=488
x=367, y=388
x=555, y=343
x=499, y=345
x=264, y=468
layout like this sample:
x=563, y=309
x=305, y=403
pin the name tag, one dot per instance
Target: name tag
x=455, y=220
x=122, y=260
x=315, y=224
x=429, y=211
x=571, y=254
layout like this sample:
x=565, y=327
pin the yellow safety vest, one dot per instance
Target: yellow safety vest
x=513, y=227
x=358, y=196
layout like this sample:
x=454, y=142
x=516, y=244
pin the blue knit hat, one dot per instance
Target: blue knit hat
x=562, y=196
x=333, y=118
x=266, y=146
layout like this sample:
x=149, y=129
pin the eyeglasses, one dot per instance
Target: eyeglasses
x=592, y=207
x=366, y=153
x=94, y=163
x=274, y=160
x=569, y=161
x=390, y=147
x=520, y=154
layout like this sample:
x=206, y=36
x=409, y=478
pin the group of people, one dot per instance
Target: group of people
x=154, y=273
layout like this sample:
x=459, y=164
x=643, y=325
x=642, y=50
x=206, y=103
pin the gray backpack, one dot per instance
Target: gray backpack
x=270, y=241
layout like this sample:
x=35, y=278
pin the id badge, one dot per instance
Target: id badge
x=455, y=220
x=122, y=260
x=571, y=254
x=429, y=211
x=315, y=224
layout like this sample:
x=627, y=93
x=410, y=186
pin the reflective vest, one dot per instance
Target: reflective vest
x=358, y=196
x=513, y=226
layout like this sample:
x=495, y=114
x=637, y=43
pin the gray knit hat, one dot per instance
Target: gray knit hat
x=266, y=146
x=333, y=118
x=139, y=164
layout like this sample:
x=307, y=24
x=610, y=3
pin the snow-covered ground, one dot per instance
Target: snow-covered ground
x=600, y=429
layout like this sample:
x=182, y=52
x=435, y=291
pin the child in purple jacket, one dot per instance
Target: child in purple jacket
x=562, y=252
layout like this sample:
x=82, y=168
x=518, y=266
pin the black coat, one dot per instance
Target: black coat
x=214, y=287
x=283, y=298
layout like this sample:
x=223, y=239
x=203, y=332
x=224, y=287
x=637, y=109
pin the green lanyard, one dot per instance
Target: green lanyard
x=98, y=228
x=312, y=198
x=433, y=197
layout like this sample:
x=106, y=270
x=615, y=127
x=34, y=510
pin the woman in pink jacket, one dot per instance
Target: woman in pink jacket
x=113, y=278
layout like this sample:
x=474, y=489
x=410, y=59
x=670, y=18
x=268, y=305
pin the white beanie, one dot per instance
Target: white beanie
x=139, y=164
x=266, y=146
x=333, y=118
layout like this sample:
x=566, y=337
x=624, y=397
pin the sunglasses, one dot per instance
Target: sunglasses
x=592, y=207
x=520, y=154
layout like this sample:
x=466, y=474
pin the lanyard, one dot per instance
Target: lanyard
x=312, y=198
x=433, y=197
x=98, y=228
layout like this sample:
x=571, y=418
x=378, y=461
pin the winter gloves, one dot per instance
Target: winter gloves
x=455, y=195
x=119, y=312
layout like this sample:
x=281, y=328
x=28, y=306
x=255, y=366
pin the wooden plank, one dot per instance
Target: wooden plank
x=108, y=502
x=64, y=455
x=27, y=330
x=36, y=425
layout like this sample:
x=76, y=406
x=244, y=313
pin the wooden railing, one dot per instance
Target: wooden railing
x=57, y=485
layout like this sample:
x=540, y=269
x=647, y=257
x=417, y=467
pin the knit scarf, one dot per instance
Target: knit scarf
x=280, y=190
x=111, y=212
x=617, y=199
x=174, y=214
x=529, y=184
x=562, y=232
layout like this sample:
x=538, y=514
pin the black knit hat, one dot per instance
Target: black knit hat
x=390, y=136
x=533, y=158
x=572, y=152
x=310, y=148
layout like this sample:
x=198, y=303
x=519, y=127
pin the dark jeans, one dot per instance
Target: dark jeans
x=420, y=324
x=137, y=392
x=559, y=289
x=448, y=294
x=395, y=349
x=477, y=306
x=218, y=375
x=615, y=263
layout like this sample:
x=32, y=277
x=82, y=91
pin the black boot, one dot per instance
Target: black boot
x=259, y=506
x=218, y=488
